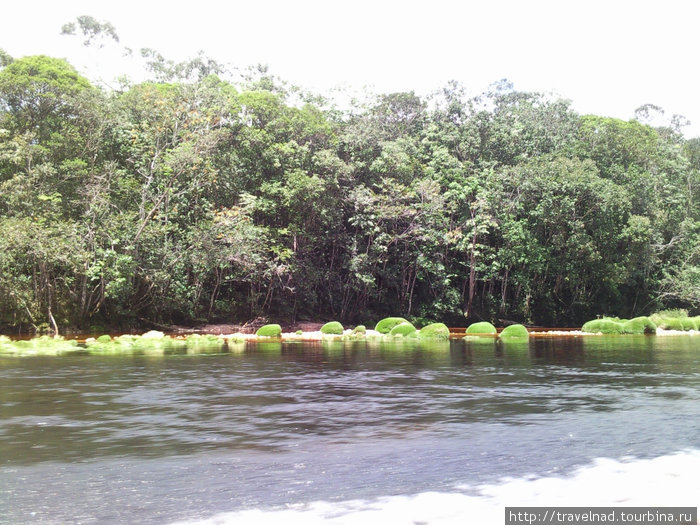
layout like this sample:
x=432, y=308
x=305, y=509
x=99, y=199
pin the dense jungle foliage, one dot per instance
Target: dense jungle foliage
x=190, y=198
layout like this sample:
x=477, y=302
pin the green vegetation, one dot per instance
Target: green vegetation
x=434, y=331
x=603, y=326
x=359, y=329
x=481, y=328
x=514, y=331
x=191, y=198
x=388, y=323
x=269, y=330
x=332, y=328
x=404, y=329
x=639, y=325
x=43, y=345
x=675, y=319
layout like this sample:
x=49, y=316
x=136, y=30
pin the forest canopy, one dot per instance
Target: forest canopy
x=191, y=198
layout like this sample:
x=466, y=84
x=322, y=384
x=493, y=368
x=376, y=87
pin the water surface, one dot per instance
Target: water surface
x=291, y=427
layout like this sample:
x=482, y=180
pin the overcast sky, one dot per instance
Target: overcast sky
x=607, y=56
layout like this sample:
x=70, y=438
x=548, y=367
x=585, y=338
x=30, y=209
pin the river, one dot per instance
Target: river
x=351, y=433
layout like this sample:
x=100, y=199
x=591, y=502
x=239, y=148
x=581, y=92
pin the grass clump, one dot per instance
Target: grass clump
x=603, y=326
x=42, y=345
x=332, y=328
x=385, y=325
x=269, y=330
x=514, y=331
x=483, y=327
x=639, y=325
x=207, y=342
x=434, y=331
x=404, y=329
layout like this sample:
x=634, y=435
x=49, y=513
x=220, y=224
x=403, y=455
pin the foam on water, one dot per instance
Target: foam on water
x=666, y=481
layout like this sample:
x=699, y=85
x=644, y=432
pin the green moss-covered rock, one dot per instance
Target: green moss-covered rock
x=639, y=325
x=104, y=339
x=514, y=331
x=269, y=330
x=434, y=331
x=359, y=329
x=602, y=326
x=483, y=327
x=332, y=328
x=385, y=325
x=404, y=329
x=299, y=332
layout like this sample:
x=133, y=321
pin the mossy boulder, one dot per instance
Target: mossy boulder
x=359, y=329
x=404, y=329
x=385, y=325
x=104, y=339
x=332, y=328
x=514, y=331
x=434, y=331
x=269, y=330
x=483, y=327
x=603, y=326
x=639, y=325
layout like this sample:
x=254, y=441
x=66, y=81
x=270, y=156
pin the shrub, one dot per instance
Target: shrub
x=404, y=329
x=269, y=330
x=385, y=325
x=514, y=331
x=434, y=331
x=602, y=326
x=483, y=327
x=332, y=328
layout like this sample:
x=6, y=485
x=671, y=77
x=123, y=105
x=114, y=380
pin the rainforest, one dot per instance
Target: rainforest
x=191, y=198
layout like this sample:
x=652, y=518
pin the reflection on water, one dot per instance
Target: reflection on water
x=162, y=438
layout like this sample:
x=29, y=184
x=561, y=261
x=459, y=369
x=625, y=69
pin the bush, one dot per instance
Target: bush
x=602, y=326
x=483, y=327
x=385, y=325
x=332, y=328
x=269, y=330
x=514, y=331
x=404, y=329
x=434, y=331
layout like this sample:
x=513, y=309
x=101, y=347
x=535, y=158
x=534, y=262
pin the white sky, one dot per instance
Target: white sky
x=607, y=56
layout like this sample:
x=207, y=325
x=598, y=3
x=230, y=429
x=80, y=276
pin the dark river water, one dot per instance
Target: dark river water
x=351, y=433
